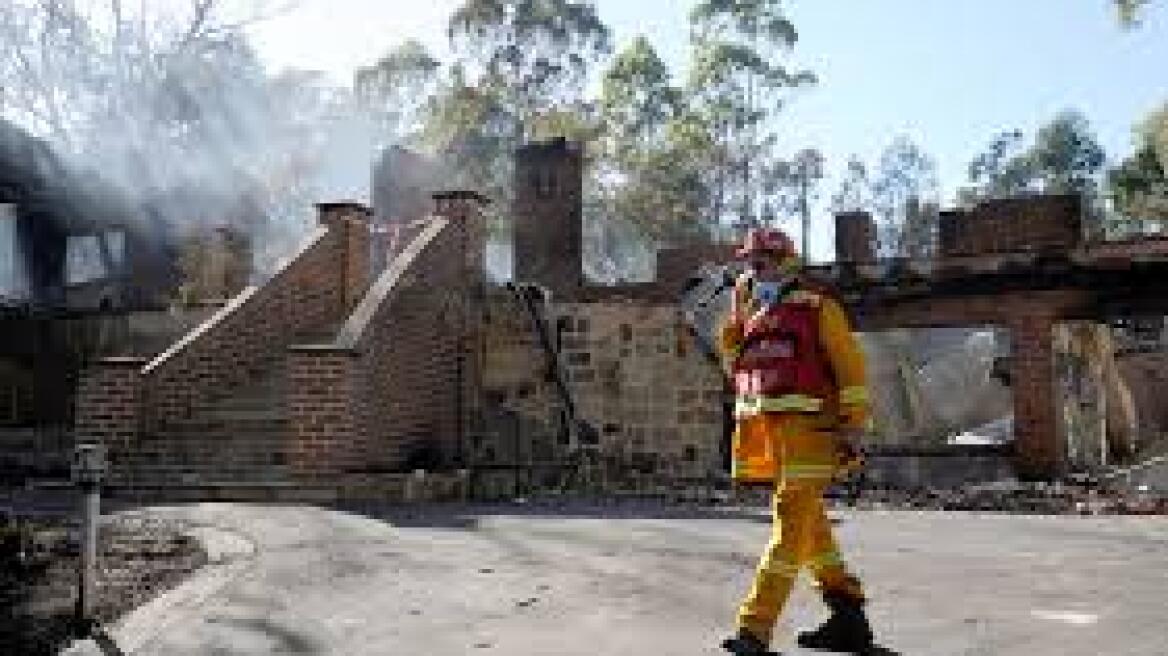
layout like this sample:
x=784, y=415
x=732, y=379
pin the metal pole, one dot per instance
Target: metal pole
x=89, y=466
x=90, y=511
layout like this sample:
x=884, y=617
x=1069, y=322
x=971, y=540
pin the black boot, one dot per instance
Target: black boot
x=847, y=630
x=745, y=644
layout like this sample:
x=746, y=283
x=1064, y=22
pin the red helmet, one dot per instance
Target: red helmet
x=769, y=240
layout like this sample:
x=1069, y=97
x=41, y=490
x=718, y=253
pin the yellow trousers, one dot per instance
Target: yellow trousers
x=801, y=539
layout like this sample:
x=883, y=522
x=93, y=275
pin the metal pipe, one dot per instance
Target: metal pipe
x=90, y=512
x=88, y=470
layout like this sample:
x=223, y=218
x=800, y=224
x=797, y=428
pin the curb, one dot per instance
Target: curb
x=229, y=554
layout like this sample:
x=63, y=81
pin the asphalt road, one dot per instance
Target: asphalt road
x=523, y=582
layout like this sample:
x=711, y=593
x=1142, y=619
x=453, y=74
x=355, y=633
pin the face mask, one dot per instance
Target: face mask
x=769, y=292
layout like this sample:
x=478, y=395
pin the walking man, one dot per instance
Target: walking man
x=801, y=402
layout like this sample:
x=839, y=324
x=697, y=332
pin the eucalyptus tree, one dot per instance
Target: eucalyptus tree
x=1139, y=184
x=534, y=54
x=904, y=190
x=797, y=181
x=397, y=89
x=738, y=83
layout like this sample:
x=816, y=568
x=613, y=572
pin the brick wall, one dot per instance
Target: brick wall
x=402, y=369
x=307, y=294
x=324, y=399
x=925, y=311
x=351, y=223
x=1011, y=225
x=108, y=407
x=1037, y=438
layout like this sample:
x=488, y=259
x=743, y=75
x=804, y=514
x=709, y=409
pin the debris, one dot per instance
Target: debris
x=1079, y=496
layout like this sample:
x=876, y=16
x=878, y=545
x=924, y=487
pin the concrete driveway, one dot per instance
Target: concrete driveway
x=451, y=580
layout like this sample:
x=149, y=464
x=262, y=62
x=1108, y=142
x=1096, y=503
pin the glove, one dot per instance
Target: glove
x=849, y=455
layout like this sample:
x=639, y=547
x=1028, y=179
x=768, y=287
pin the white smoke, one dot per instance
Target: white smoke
x=169, y=105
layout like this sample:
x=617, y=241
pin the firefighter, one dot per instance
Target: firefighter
x=801, y=403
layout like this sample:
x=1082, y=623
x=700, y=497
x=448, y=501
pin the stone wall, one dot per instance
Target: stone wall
x=634, y=372
x=1146, y=375
x=548, y=231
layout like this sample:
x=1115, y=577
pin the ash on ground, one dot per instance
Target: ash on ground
x=139, y=558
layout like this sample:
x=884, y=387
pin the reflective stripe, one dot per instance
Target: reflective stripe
x=798, y=465
x=743, y=469
x=808, y=471
x=854, y=395
x=746, y=406
x=779, y=561
x=825, y=560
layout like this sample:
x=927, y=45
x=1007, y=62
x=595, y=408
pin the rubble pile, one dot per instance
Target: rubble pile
x=1073, y=497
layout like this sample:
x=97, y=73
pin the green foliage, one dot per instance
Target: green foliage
x=395, y=89
x=637, y=98
x=1130, y=11
x=1154, y=131
x=737, y=84
x=795, y=183
x=652, y=150
x=1064, y=158
x=535, y=53
x=1139, y=185
x=519, y=76
x=855, y=190
x=667, y=162
x=903, y=190
x=902, y=194
x=471, y=129
x=1000, y=171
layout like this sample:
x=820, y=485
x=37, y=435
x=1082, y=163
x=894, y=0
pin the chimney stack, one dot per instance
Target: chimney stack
x=548, y=233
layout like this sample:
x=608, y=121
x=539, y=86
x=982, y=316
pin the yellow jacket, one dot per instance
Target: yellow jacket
x=800, y=444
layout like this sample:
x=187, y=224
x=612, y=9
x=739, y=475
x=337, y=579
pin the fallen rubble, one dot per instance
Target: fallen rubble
x=1074, y=497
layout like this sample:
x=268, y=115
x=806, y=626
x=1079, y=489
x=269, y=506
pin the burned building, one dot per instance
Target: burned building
x=339, y=376
x=85, y=272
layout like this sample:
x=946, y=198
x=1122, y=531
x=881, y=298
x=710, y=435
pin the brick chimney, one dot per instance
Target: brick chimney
x=465, y=208
x=548, y=234
x=855, y=238
x=350, y=221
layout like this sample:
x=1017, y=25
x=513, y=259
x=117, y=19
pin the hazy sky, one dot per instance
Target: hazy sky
x=948, y=74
